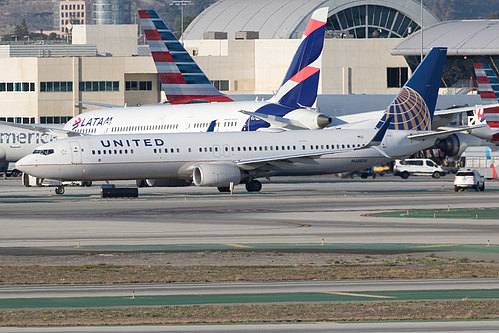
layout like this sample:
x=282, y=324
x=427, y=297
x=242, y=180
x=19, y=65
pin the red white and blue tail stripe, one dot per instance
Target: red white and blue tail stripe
x=299, y=87
x=488, y=83
x=488, y=87
x=181, y=78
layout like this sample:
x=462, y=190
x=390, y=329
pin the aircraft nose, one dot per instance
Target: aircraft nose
x=25, y=164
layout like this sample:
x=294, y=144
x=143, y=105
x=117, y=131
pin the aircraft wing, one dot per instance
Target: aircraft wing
x=275, y=121
x=101, y=104
x=445, y=133
x=309, y=158
x=464, y=109
x=46, y=130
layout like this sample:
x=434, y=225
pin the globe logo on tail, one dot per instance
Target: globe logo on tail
x=409, y=112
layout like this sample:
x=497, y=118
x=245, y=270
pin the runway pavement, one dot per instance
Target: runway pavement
x=286, y=211
x=371, y=327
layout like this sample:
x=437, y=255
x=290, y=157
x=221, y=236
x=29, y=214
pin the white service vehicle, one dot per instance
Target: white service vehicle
x=418, y=167
x=469, y=179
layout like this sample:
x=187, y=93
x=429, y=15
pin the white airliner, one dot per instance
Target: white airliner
x=221, y=159
x=195, y=104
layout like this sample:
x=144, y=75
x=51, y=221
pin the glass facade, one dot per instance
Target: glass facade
x=370, y=21
x=458, y=70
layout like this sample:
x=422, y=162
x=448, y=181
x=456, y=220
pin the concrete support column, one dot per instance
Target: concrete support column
x=347, y=80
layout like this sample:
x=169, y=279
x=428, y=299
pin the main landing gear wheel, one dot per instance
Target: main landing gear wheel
x=253, y=186
x=223, y=189
x=59, y=190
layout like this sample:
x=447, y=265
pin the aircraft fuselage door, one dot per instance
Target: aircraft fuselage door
x=226, y=149
x=75, y=152
x=216, y=150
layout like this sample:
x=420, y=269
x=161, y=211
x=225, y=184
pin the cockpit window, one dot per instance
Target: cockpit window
x=43, y=151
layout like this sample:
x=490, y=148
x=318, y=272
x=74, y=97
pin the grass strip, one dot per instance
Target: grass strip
x=110, y=274
x=315, y=312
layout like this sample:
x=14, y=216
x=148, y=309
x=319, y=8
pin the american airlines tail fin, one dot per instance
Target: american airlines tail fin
x=414, y=106
x=299, y=88
x=488, y=83
x=488, y=87
x=180, y=76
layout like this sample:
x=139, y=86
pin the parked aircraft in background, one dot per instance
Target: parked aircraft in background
x=222, y=159
x=184, y=83
x=488, y=86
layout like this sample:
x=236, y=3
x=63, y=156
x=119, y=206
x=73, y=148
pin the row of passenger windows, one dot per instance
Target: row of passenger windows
x=144, y=128
x=112, y=152
x=99, y=86
x=17, y=86
x=138, y=85
x=226, y=148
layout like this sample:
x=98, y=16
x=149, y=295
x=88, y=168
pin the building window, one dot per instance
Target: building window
x=57, y=86
x=221, y=84
x=54, y=120
x=99, y=86
x=138, y=85
x=396, y=76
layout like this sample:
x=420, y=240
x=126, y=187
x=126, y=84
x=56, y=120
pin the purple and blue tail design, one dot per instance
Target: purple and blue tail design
x=299, y=87
x=414, y=106
x=181, y=78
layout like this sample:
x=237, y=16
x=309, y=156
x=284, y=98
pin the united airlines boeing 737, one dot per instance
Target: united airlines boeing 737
x=222, y=159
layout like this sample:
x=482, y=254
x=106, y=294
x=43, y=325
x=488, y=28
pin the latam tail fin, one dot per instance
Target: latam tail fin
x=488, y=83
x=180, y=76
x=414, y=106
x=299, y=88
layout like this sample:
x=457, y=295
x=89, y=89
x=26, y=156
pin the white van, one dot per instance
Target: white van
x=418, y=167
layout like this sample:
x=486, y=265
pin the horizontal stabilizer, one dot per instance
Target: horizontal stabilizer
x=445, y=133
x=275, y=121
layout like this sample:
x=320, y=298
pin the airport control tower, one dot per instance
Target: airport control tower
x=111, y=12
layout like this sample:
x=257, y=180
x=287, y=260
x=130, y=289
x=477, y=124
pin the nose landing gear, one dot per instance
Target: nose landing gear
x=59, y=190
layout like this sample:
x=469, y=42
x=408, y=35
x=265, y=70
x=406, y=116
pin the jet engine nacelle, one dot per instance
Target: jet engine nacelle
x=309, y=118
x=215, y=174
x=455, y=144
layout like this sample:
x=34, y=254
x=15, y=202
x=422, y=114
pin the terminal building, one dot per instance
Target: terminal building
x=371, y=47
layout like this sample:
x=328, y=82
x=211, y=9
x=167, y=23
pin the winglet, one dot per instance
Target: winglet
x=180, y=76
x=211, y=128
x=379, y=136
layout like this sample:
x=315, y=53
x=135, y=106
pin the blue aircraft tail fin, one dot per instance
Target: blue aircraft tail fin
x=414, y=106
x=299, y=87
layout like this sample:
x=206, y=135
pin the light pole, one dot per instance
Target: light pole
x=181, y=3
x=421, y=31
